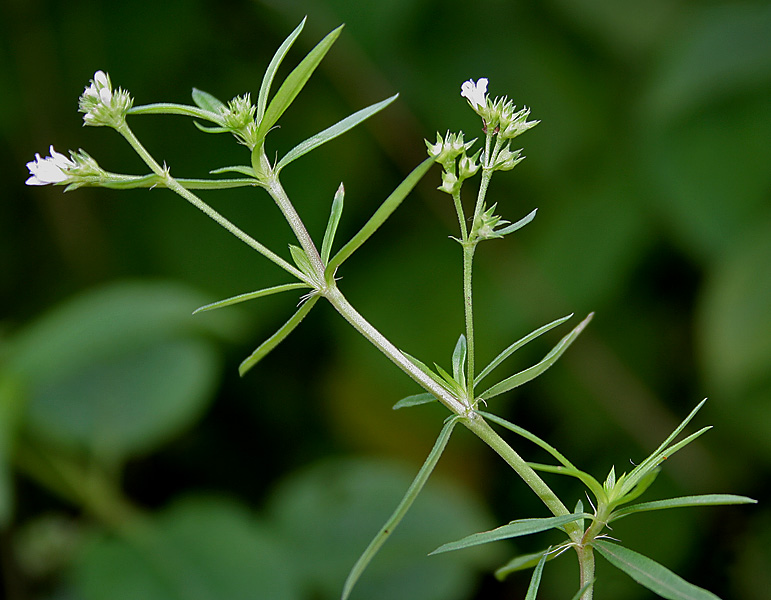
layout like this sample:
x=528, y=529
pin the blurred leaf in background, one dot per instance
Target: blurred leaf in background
x=650, y=173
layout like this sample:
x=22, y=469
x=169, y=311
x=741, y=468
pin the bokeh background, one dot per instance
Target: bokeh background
x=135, y=463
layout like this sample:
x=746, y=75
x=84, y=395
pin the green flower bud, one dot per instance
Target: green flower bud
x=514, y=123
x=446, y=150
x=238, y=116
x=505, y=159
x=450, y=183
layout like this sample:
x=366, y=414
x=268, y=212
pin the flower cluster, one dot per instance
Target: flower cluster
x=78, y=170
x=238, y=117
x=446, y=151
x=102, y=105
x=499, y=115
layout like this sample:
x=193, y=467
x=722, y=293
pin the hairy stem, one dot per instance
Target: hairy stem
x=279, y=195
x=468, y=308
x=473, y=421
x=178, y=188
x=586, y=569
x=361, y=325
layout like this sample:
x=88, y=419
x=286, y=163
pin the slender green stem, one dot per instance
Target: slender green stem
x=487, y=174
x=175, y=186
x=468, y=307
x=279, y=195
x=586, y=570
x=468, y=258
x=461, y=215
x=474, y=421
x=119, y=181
x=168, y=108
x=487, y=434
x=361, y=325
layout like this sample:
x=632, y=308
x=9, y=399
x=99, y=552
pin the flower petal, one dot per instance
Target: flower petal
x=475, y=93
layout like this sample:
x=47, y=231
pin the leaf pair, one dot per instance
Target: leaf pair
x=617, y=491
x=524, y=376
x=268, y=113
x=456, y=382
x=384, y=211
x=287, y=328
x=622, y=490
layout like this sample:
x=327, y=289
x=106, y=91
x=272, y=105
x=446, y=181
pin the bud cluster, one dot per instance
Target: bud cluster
x=103, y=106
x=238, y=117
x=485, y=223
x=450, y=152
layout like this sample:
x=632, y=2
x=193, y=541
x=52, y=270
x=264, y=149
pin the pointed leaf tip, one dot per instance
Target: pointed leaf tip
x=650, y=574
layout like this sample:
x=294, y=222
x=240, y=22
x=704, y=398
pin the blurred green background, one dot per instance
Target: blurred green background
x=650, y=170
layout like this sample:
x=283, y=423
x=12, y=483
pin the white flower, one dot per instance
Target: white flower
x=475, y=93
x=51, y=169
x=102, y=105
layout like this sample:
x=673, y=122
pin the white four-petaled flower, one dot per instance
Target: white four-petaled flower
x=51, y=169
x=475, y=93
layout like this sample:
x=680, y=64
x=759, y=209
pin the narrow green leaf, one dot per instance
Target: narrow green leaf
x=206, y=101
x=293, y=84
x=171, y=108
x=252, y=296
x=449, y=380
x=300, y=259
x=512, y=530
x=651, y=462
x=654, y=461
x=381, y=214
x=332, y=132
x=520, y=563
x=415, y=400
x=668, y=452
x=594, y=486
x=579, y=509
x=334, y=220
x=610, y=482
x=242, y=169
x=518, y=225
x=398, y=514
x=534, y=371
x=459, y=359
x=651, y=574
x=683, y=501
x=521, y=431
x=277, y=337
x=640, y=488
x=429, y=372
x=535, y=580
x=567, y=467
x=270, y=72
x=207, y=129
x=516, y=346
